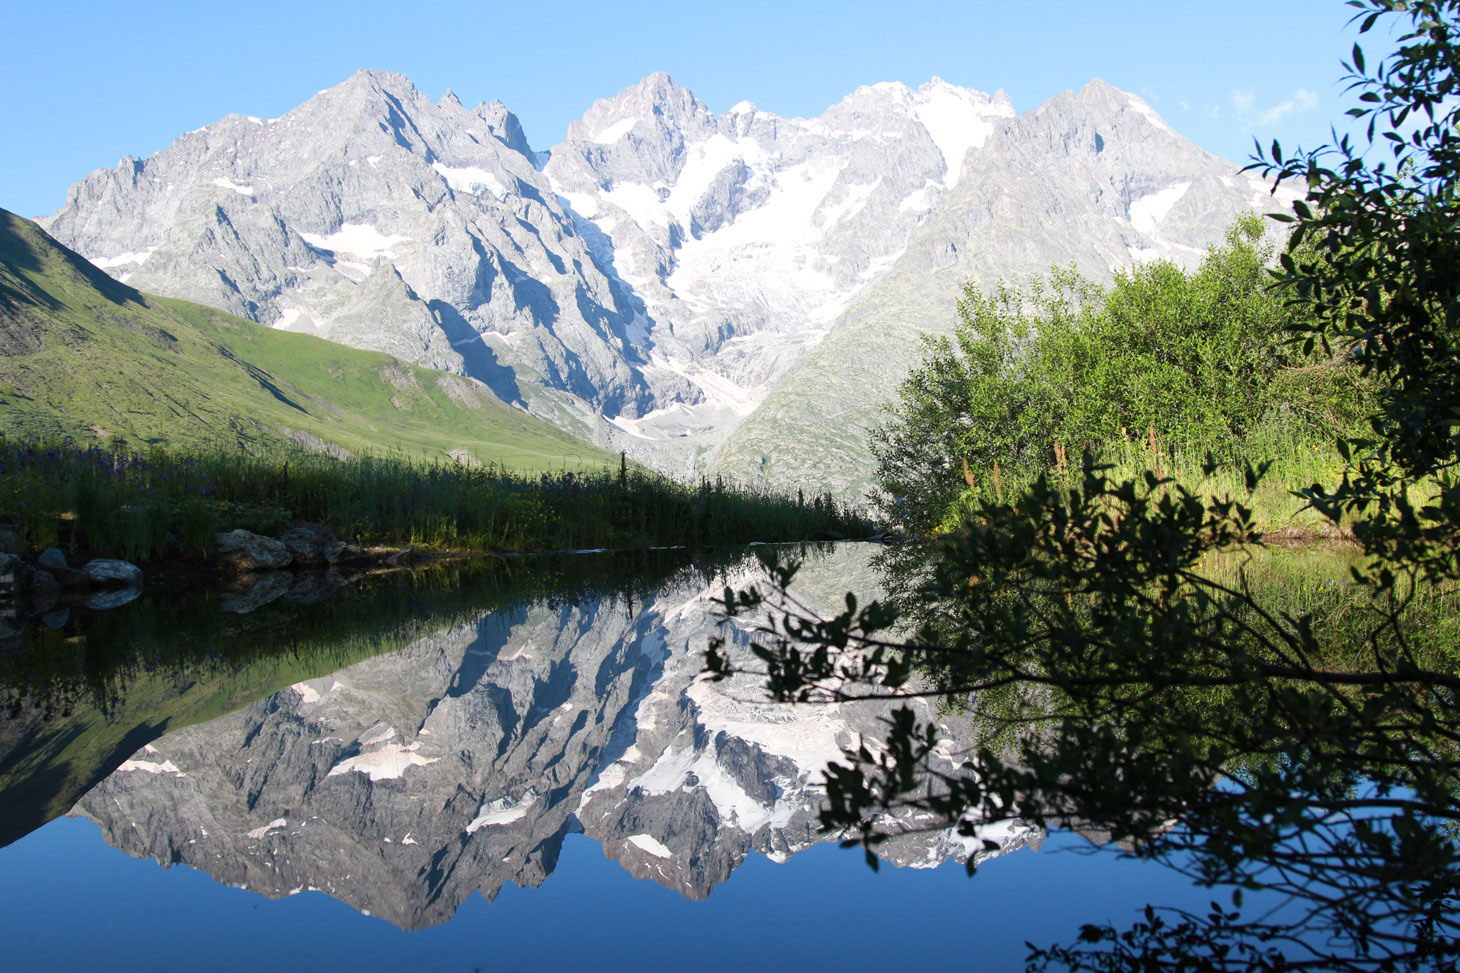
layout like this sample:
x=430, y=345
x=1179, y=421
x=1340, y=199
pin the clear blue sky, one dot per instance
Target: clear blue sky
x=88, y=82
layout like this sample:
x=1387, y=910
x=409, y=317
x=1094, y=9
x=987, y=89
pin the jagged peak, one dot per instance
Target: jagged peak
x=377, y=79
x=449, y=100
x=907, y=99
x=999, y=103
x=659, y=90
x=895, y=91
x=1099, y=92
x=505, y=126
x=658, y=81
x=655, y=100
x=1103, y=98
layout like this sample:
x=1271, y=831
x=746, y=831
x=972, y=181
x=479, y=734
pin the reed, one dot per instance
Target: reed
x=1297, y=463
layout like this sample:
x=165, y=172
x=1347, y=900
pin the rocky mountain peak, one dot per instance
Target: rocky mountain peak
x=368, y=84
x=505, y=127
x=659, y=114
x=656, y=282
x=1100, y=101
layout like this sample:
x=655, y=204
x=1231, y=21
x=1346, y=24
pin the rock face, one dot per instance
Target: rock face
x=404, y=783
x=734, y=292
x=52, y=559
x=111, y=573
x=247, y=551
x=10, y=566
x=310, y=545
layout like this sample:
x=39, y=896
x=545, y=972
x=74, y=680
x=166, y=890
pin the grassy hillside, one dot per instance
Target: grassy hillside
x=85, y=356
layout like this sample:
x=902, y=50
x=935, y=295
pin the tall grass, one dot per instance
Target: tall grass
x=134, y=503
x=1294, y=462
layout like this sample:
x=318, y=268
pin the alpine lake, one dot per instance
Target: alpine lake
x=509, y=762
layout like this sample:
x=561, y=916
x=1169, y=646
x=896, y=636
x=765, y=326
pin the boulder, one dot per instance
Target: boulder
x=52, y=559
x=311, y=589
x=68, y=578
x=10, y=567
x=266, y=587
x=310, y=544
x=248, y=551
x=113, y=574
x=40, y=579
x=115, y=598
x=43, y=599
x=343, y=553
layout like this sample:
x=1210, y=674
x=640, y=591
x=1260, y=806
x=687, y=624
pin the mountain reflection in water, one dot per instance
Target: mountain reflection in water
x=402, y=783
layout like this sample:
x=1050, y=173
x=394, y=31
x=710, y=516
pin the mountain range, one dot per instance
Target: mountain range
x=734, y=294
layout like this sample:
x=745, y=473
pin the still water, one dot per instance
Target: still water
x=510, y=762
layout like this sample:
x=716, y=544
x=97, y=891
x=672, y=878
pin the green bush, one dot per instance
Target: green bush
x=1163, y=364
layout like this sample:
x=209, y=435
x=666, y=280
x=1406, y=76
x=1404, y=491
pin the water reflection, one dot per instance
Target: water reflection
x=82, y=693
x=402, y=783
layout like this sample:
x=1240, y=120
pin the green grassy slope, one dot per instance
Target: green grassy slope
x=85, y=356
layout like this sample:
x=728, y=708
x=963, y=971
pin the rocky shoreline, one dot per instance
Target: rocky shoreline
x=303, y=565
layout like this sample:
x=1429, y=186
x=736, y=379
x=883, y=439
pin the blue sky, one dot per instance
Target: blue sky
x=89, y=82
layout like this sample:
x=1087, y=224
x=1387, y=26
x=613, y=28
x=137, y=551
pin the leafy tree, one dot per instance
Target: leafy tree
x=1198, y=361
x=1317, y=754
x=1381, y=276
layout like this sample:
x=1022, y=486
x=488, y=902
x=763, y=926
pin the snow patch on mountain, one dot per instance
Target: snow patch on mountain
x=500, y=812
x=615, y=131
x=124, y=259
x=957, y=119
x=388, y=762
x=648, y=844
x=471, y=179
x=257, y=834
x=149, y=767
x=1149, y=112
x=1148, y=211
x=226, y=183
x=307, y=693
x=357, y=240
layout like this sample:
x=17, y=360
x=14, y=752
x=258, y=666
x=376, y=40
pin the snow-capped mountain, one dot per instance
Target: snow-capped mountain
x=374, y=217
x=404, y=783
x=746, y=235
x=736, y=292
